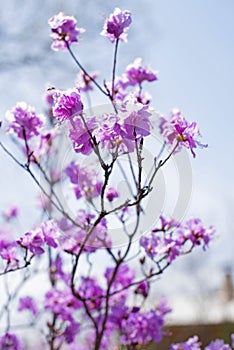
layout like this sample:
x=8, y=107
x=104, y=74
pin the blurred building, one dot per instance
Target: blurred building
x=209, y=318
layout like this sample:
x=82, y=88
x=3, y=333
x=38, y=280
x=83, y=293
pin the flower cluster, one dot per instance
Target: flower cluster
x=112, y=132
x=116, y=25
x=172, y=239
x=135, y=74
x=63, y=304
x=85, y=237
x=85, y=181
x=67, y=104
x=176, y=129
x=81, y=134
x=143, y=327
x=48, y=233
x=10, y=213
x=191, y=344
x=11, y=342
x=194, y=344
x=28, y=303
x=23, y=121
x=64, y=31
x=8, y=248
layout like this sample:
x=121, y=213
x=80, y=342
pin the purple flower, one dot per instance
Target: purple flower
x=64, y=31
x=150, y=244
x=33, y=241
x=24, y=121
x=80, y=135
x=85, y=181
x=119, y=90
x=123, y=278
x=9, y=341
x=56, y=270
x=143, y=289
x=176, y=128
x=162, y=307
x=67, y=104
x=83, y=82
x=72, y=241
x=194, y=230
x=90, y=289
x=71, y=331
x=218, y=344
x=135, y=74
x=28, y=303
x=44, y=145
x=137, y=124
x=168, y=240
x=118, y=311
x=116, y=25
x=8, y=252
x=10, y=213
x=50, y=232
x=109, y=133
x=141, y=328
x=8, y=248
x=62, y=303
x=111, y=194
x=191, y=344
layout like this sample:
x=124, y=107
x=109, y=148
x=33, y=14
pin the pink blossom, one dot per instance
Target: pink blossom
x=64, y=31
x=23, y=121
x=218, y=344
x=194, y=230
x=75, y=237
x=143, y=288
x=169, y=240
x=8, y=248
x=10, y=341
x=51, y=233
x=108, y=134
x=83, y=82
x=141, y=328
x=111, y=194
x=8, y=252
x=191, y=344
x=135, y=74
x=90, y=289
x=137, y=124
x=176, y=128
x=116, y=25
x=80, y=135
x=46, y=144
x=123, y=278
x=67, y=104
x=119, y=132
x=62, y=303
x=119, y=92
x=33, y=241
x=10, y=213
x=85, y=181
x=28, y=303
x=57, y=272
x=71, y=331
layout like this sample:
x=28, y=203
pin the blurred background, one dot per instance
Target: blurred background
x=191, y=44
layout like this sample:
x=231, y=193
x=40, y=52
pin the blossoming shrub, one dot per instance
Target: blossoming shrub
x=88, y=304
